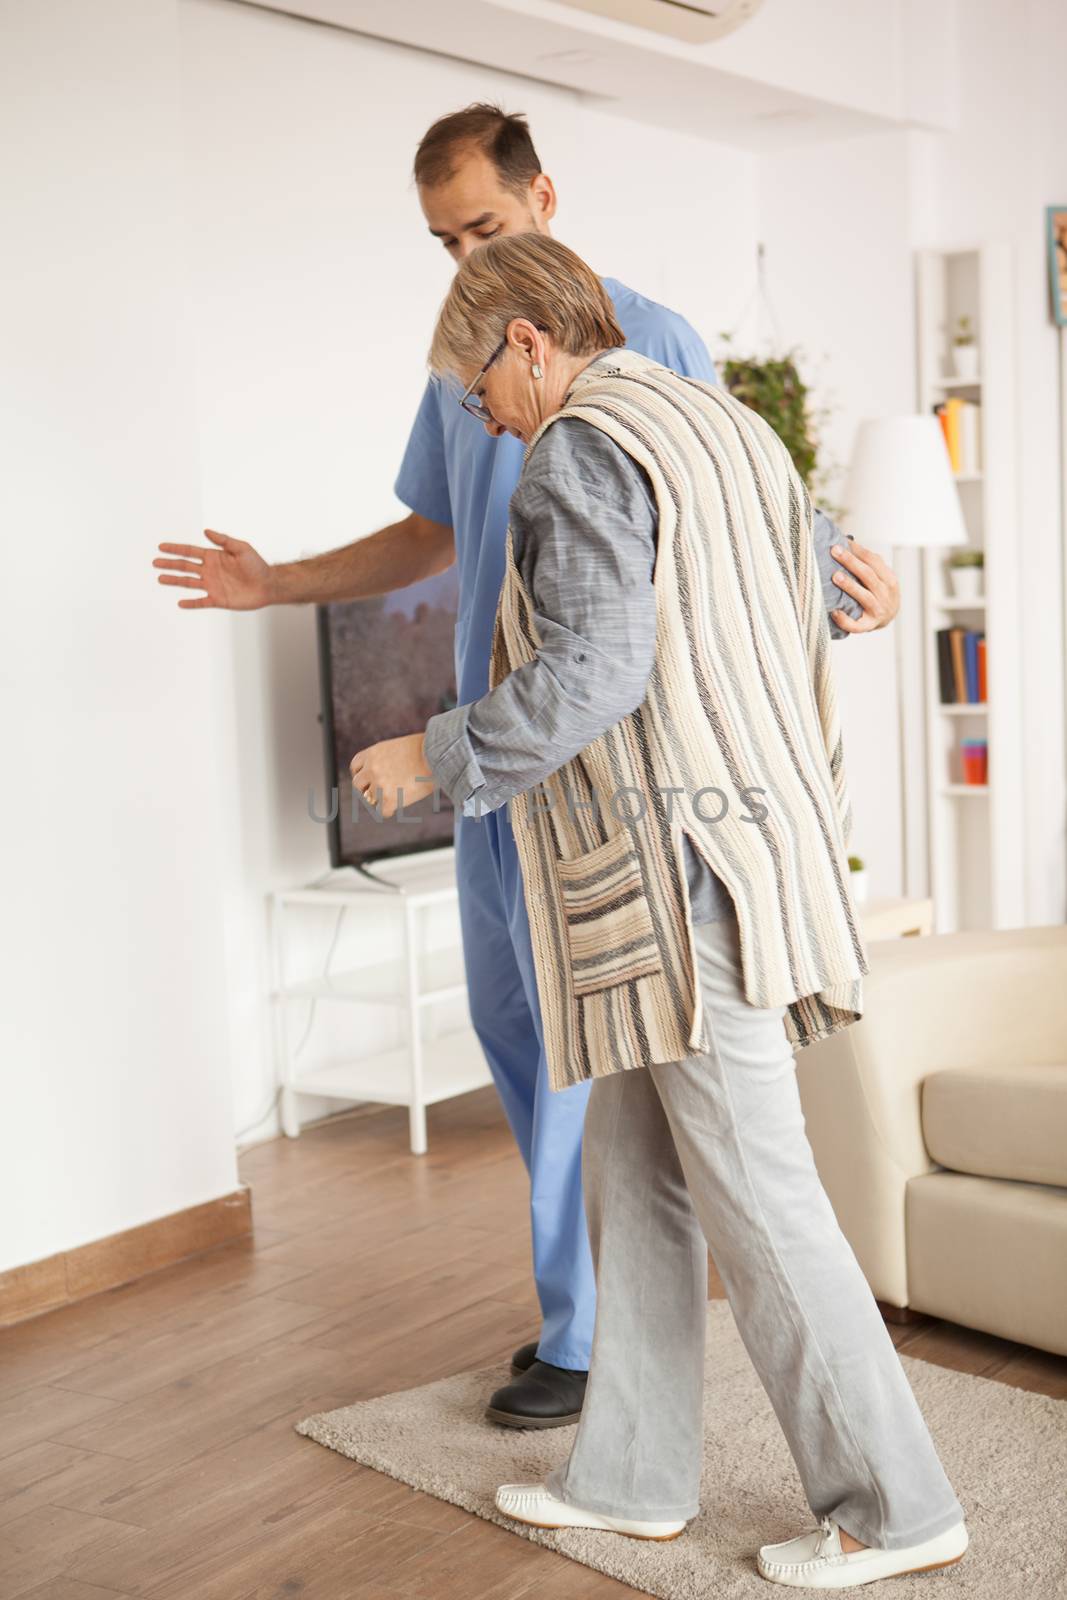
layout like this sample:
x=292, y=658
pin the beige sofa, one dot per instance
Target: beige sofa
x=939, y=1126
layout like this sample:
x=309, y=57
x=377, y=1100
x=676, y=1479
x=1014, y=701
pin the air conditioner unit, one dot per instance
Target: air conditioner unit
x=696, y=21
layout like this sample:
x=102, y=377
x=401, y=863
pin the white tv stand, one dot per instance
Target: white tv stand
x=419, y=1072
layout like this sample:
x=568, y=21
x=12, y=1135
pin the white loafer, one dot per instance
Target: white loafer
x=817, y=1561
x=536, y=1504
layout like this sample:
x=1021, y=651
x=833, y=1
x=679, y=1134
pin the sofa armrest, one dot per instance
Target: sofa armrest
x=931, y=1003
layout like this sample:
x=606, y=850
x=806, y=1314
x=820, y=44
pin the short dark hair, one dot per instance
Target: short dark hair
x=504, y=136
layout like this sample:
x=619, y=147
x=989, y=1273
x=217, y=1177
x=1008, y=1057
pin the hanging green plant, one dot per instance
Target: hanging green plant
x=775, y=389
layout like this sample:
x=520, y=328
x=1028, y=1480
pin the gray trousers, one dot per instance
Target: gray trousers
x=713, y=1152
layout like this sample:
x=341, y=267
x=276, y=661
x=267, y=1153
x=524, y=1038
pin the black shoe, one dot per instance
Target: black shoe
x=542, y=1397
x=524, y=1357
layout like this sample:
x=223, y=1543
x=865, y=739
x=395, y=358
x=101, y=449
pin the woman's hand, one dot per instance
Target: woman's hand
x=392, y=773
x=874, y=585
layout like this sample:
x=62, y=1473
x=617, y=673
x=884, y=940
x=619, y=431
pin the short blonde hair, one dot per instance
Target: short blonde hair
x=521, y=275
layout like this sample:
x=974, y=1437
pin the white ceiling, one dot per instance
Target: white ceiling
x=800, y=71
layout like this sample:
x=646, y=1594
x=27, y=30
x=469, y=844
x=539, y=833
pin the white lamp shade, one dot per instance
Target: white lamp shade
x=901, y=489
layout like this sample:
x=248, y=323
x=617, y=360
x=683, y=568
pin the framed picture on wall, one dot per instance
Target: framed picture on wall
x=1056, y=218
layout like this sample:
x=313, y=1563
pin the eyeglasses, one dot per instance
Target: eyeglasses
x=474, y=407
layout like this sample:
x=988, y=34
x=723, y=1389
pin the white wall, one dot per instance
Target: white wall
x=160, y=759
x=315, y=285
x=842, y=222
x=835, y=221
x=114, y=1020
x=992, y=179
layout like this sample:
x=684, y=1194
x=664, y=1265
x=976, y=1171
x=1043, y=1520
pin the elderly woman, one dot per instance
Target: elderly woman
x=661, y=710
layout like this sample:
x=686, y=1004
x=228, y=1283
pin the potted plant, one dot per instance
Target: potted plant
x=774, y=388
x=859, y=879
x=964, y=350
x=965, y=567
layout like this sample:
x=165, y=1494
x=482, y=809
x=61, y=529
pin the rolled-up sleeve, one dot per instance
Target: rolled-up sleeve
x=583, y=523
x=451, y=760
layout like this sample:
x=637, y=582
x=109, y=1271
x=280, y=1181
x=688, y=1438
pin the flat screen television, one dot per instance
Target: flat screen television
x=386, y=665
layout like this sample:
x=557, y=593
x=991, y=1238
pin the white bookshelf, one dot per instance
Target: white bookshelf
x=427, y=1065
x=974, y=836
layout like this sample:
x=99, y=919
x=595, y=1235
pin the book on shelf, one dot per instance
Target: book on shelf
x=961, y=425
x=961, y=666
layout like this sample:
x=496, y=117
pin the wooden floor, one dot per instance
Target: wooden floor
x=146, y=1435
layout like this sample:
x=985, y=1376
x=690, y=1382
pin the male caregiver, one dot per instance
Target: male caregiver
x=478, y=176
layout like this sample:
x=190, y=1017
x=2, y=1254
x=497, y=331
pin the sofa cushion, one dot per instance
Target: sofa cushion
x=991, y=1255
x=998, y=1122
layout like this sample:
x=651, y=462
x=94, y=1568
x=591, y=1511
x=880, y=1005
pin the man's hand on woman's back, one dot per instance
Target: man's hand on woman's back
x=871, y=581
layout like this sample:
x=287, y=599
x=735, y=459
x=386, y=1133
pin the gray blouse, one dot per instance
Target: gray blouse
x=584, y=526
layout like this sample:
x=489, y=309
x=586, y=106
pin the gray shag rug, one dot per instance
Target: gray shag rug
x=1004, y=1450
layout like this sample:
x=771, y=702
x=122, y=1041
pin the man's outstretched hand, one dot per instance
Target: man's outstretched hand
x=871, y=581
x=234, y=576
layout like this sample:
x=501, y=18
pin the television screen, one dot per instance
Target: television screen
x=386, y=665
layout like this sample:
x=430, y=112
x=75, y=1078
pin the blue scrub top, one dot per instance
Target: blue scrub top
x=454, y=473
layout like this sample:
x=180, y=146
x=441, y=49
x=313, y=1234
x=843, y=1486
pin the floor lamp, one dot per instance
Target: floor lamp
x=901, y=493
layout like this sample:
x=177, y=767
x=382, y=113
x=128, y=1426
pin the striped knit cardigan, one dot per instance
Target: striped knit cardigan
x=741, y=701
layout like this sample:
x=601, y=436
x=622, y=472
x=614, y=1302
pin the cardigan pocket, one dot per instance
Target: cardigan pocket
x=610, y=931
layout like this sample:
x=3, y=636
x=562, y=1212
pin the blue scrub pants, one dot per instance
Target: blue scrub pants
x=547, y=1124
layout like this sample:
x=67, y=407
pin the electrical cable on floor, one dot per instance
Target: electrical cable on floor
x=273, y=1105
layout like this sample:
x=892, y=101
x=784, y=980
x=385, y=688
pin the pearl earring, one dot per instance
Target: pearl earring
x=536, y=370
